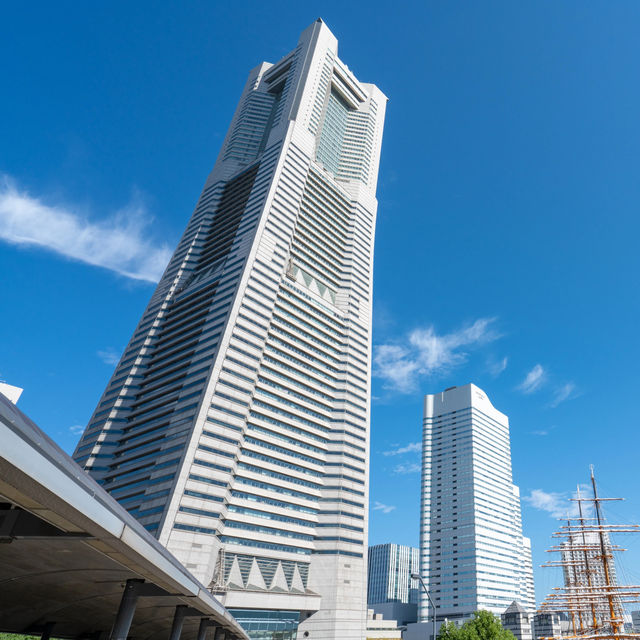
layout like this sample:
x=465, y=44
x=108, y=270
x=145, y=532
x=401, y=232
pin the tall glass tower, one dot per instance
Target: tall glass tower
x=472, y=552
x=390, y=569
x=236, y=424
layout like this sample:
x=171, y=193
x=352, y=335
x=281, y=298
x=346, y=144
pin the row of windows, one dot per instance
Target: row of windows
x=279, y=476
x=281, y=436
x=272, y=501
x=198, y=478
x=281, y=463
x=288, y=427
x=199, y=512
x=299, y=396
x=277, y=488
x=188, y=527
x=264, y=545
x=202, y=496
x=288, y=452
x=268, y=515
x=290, y=403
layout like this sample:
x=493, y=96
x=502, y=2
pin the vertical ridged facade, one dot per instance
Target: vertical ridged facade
x=390, y=570
x=236, y=424
x=472, y=552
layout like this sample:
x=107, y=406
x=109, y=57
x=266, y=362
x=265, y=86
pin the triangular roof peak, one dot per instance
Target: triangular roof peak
x=515, y=607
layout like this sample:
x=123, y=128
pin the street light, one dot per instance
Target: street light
x=417, y=576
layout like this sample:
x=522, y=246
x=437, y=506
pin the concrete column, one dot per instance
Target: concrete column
x=221, y=634
x=46, y=632
x=178, y=620
x=127, y=608
x=205, y=623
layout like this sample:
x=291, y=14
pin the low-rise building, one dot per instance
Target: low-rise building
x=546, y=625
x=380, y=629
x=518, y=620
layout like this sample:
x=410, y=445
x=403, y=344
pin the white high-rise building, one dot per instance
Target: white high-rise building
x=583, y=570
x=527, y=587
x=236, y=424
x=472, y=552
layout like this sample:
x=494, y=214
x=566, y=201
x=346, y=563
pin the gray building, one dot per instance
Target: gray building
x=518, y=620
x=390, y=569
x=546, y=625
x=390, y=589
x=236, y=425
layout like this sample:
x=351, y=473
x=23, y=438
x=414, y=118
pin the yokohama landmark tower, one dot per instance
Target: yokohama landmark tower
x=236, y=425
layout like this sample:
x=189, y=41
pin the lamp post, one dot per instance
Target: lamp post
x=417, y=576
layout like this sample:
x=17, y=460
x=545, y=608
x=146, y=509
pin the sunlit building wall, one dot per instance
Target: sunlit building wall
x=472, y=552
x=236, y=424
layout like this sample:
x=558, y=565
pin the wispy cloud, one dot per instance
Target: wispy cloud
x=77, y=429
x=425, y=353
x=385, y=508
x=496, y=367
x=412, y=447
x=109, y=356
x=533, y=380
x=555, y=504
x=558, y=504
x=564, y=392
x=119, y=243
x=405, y=468
x=540, y=432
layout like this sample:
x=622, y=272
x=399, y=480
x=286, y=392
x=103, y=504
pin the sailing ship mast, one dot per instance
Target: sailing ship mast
x=591, y=596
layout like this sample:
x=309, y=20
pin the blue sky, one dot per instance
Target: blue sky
x=507, y=240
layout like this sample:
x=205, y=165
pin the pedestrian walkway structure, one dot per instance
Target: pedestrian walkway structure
x=75, y=564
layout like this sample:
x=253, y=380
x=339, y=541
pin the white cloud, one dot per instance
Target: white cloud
x=496, y=367
x=412, y=447
x=540, y=432
x=406, y=468
x=556, y=505
x=385, y=508
x=565, y=392
x=560, y=505
x=396, y=365
x=109, y=356
x=533, y=380
x=77, y=428
x=425, y=353
x=119, y=243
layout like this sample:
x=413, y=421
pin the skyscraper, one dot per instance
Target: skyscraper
x=527, y=586
x=390, y=590
x=390, y=569
x=472, y=552
x=236, y=424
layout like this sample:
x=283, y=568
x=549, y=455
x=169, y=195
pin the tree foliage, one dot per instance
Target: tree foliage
x=449, y=631
x=483, y=626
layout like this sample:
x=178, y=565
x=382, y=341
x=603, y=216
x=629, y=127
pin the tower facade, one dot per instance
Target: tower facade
x=236, y=424
x=472, y=552
x=390, y=569
x=527, y=587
